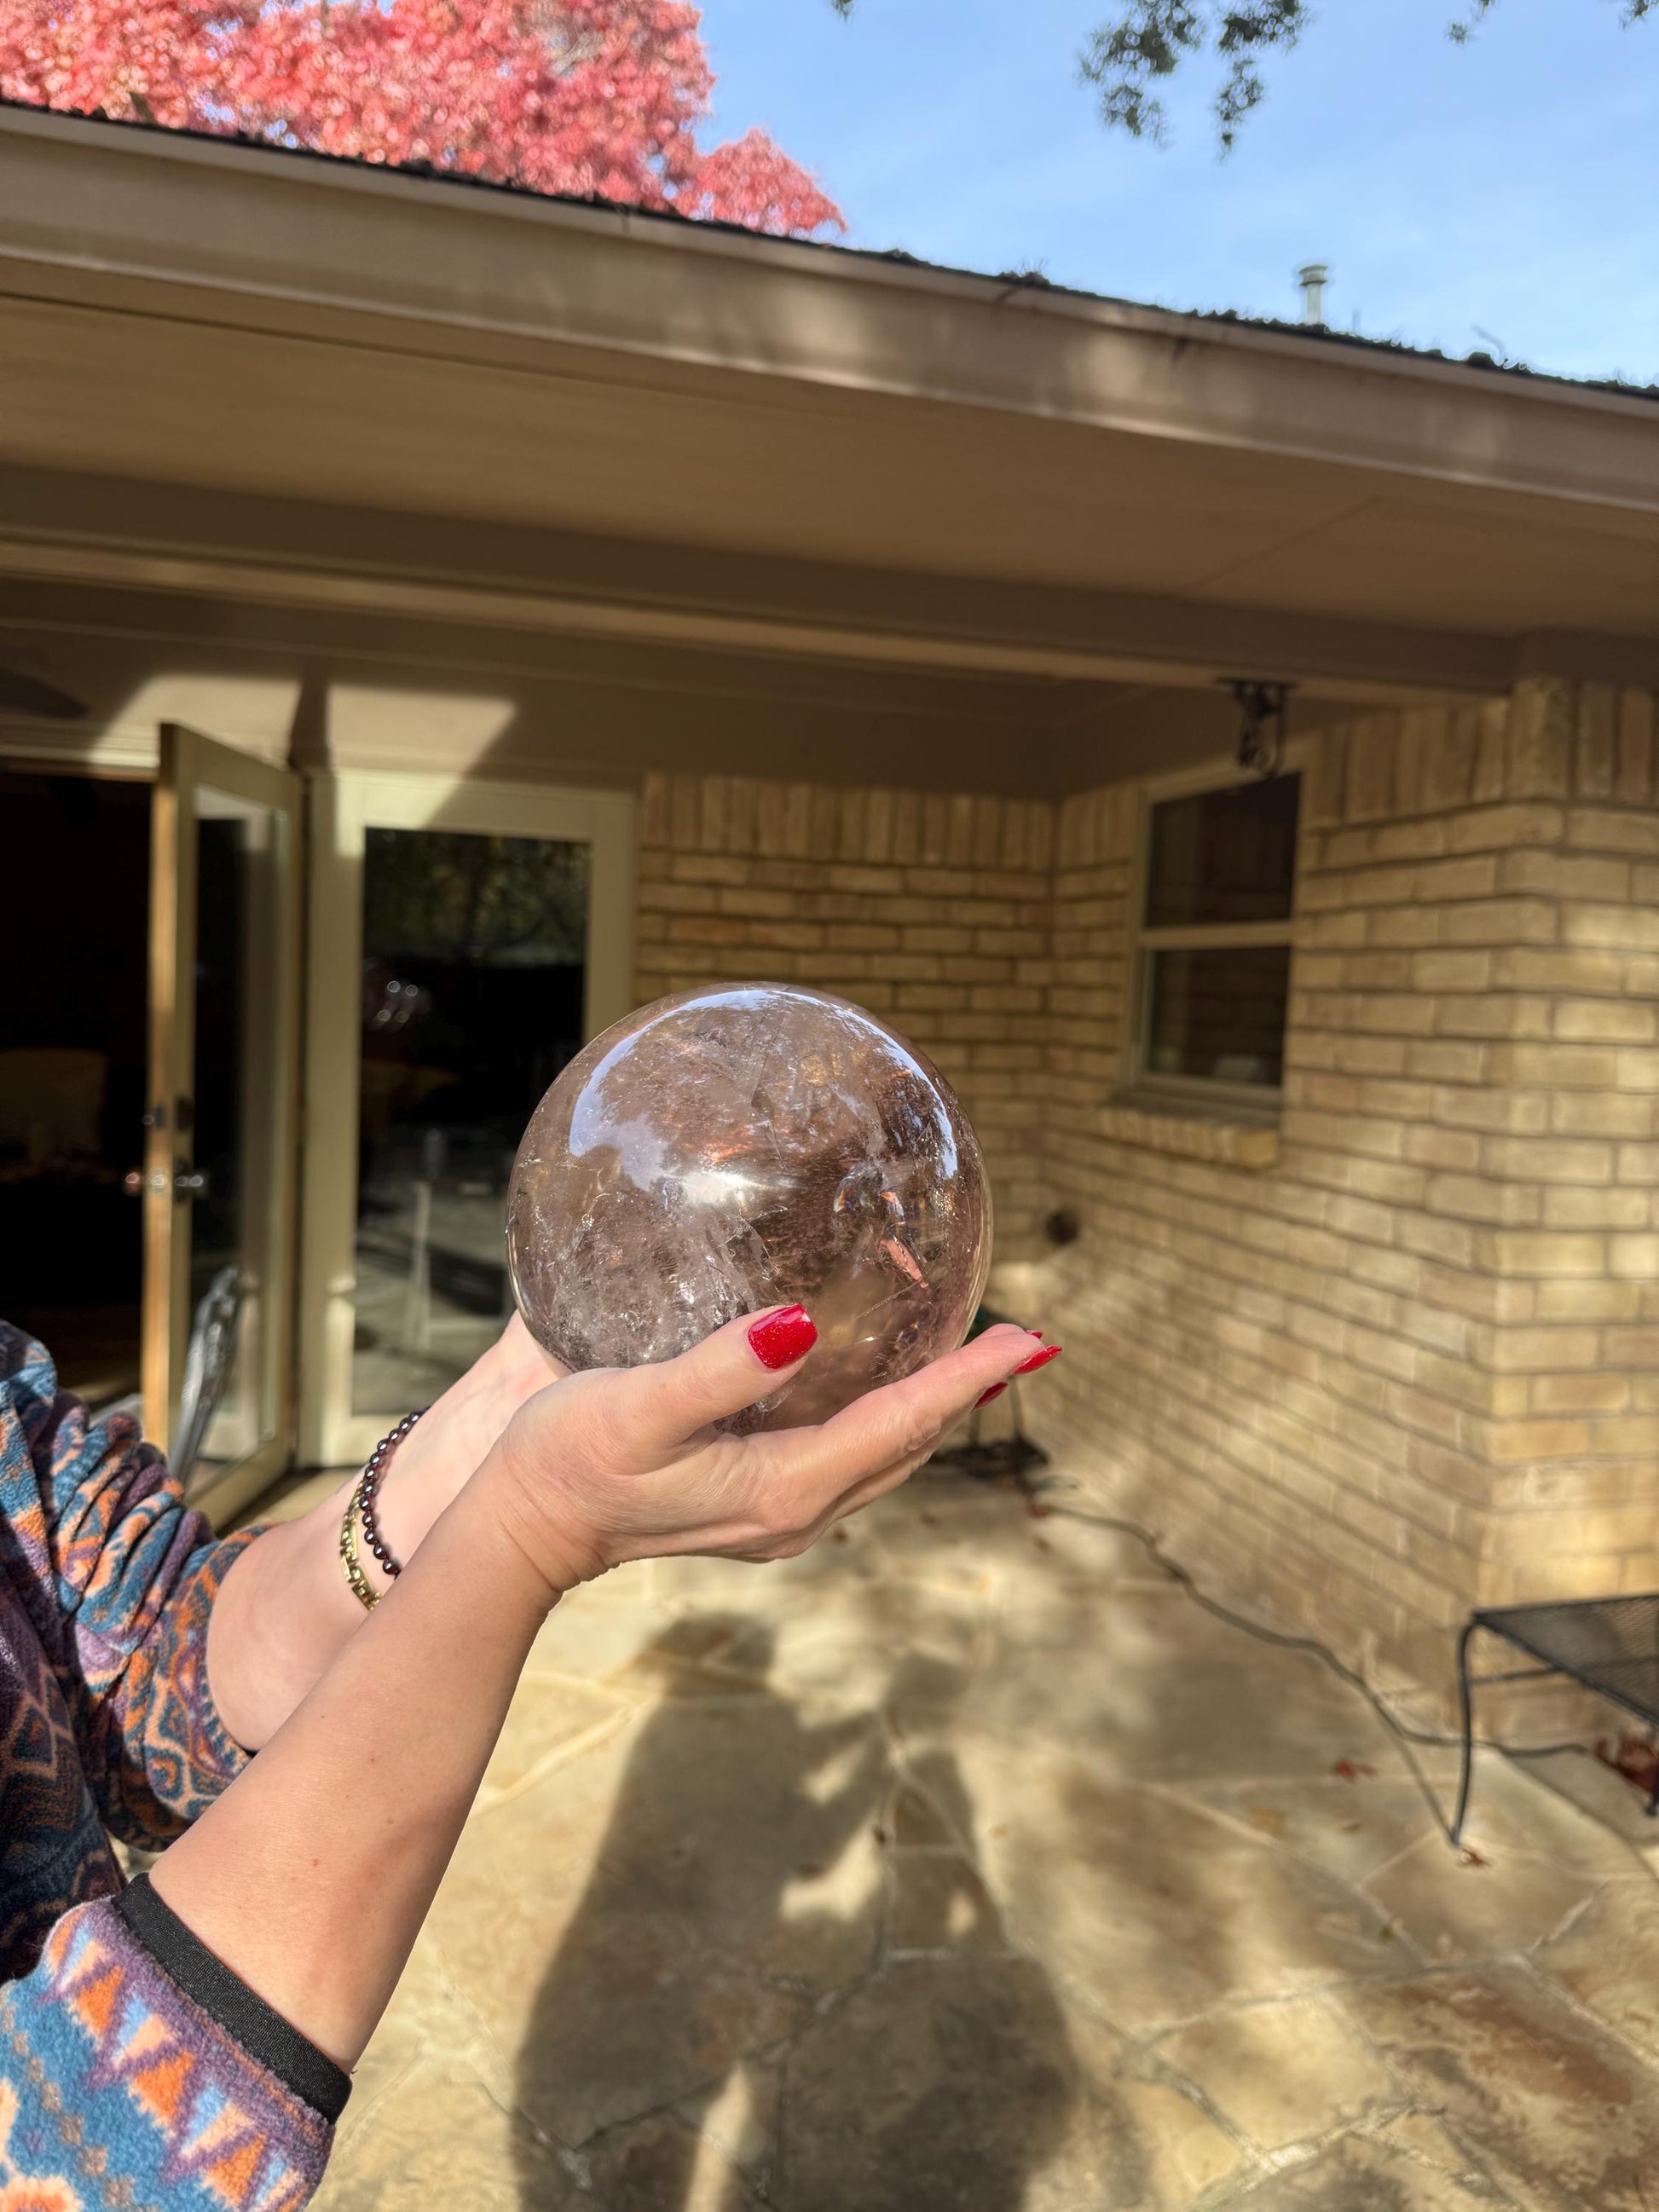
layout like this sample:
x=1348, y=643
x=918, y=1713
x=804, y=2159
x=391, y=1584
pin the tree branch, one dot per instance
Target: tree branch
x=1134, y=53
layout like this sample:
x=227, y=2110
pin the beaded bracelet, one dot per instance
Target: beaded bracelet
x=361, y=1502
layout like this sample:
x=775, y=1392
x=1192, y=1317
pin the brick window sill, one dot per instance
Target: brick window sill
x=1231, y=1137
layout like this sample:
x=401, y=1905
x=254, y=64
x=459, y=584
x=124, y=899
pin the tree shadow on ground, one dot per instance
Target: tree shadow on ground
x=786, y=1984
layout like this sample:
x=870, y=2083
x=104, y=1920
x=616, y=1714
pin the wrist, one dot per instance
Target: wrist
x=546, y=1565
x=432, y=1464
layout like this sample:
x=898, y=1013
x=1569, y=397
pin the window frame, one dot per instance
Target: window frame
x=1196, y=1093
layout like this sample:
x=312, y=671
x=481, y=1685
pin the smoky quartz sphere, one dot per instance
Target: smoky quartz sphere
x=733, y=1149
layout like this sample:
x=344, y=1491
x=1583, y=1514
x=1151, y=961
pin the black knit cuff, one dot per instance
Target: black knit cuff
x=266, y=2036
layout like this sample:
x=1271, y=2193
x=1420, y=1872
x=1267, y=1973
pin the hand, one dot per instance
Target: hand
x=622, y=1464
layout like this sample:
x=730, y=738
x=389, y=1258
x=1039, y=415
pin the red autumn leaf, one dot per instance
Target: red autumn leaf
x=591, y=98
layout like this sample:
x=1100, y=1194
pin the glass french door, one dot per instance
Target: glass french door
x=218, y=1180
x=466, y=939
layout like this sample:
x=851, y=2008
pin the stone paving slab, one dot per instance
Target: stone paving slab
x=967, y=1865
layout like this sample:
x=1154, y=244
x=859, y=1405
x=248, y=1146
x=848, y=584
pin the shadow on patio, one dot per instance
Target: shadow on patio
x=969, y=1863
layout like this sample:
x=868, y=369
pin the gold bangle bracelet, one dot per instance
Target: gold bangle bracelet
x=349, y=1563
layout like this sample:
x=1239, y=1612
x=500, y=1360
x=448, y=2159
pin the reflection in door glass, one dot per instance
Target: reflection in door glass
x=233, y=1097
x=473, y=958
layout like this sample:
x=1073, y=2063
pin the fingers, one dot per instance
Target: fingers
x=903, y=1422
x=747, y=1360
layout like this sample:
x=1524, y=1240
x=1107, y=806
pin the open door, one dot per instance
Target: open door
x=219, y=1159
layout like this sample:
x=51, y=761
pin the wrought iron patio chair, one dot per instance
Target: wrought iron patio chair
x=1610, y=1644
x=208, y=1359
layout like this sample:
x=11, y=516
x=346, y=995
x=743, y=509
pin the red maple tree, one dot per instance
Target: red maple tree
x=594, y=98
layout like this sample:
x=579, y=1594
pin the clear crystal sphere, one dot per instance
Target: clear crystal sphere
x=742, y=1147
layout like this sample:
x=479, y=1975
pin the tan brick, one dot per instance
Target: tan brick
x=1595, y=1299
x=1520, y=1253
x=1369, y=794
x=1580, y=1394
x=1570, y=1208
x=1607, y=830
x=1419, y=840
x=1639, y=1433
x=1600, y=1113
x=1451, y=971
x=1635, y=769
x=1510, y=1441
x=1537, y=754
x=1632, y=1347
x=1576, y=1067
x=1502, y=922
x=1492, y=1015
x=1562, y=875
x=787, y=936
x=1614, y=928
x=1596, y=754
x=1544, y=1350
x=1444, y=1061
x=772, y=906
x=1552, y=1159
x=1477, y=1198
x=1470, y=876
x=1602, y=1021
x=1500, y=829
x=1530, y=968
x=1448, y=778
x=1406, y=925
x=1634, y=1256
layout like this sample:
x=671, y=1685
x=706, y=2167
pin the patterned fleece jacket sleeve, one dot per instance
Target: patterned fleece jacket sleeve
x=119, y=1577
x=137, y=2072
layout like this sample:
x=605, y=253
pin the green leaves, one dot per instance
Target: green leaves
x=1152, y=38
x=1145, y=44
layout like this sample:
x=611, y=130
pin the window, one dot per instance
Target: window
x=1215, y=940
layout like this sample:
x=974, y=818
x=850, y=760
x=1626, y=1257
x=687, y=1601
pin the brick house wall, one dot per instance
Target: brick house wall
x=933, y=912
x=1397, y=1355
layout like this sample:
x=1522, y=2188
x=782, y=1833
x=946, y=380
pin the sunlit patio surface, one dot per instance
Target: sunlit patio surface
x=969, y=1863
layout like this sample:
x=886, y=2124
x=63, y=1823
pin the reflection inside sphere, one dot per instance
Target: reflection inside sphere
x=737, y=1148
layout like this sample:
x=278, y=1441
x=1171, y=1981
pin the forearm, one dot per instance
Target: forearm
x=286, y=1614
x=311, y=1875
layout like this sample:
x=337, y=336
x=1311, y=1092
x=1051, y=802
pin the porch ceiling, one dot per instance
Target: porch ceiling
x=370, y=690
x=306, y=385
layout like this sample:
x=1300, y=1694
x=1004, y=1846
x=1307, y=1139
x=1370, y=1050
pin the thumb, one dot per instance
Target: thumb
x=746, y=1360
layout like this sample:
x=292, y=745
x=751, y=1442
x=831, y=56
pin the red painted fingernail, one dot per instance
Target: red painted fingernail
x=986, y=1396
x=783, y=1337
x=1038, y=1359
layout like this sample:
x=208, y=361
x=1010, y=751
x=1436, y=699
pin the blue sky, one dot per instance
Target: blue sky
x=1511, y=184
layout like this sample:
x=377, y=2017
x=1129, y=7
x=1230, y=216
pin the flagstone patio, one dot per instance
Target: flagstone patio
x=969, y=1863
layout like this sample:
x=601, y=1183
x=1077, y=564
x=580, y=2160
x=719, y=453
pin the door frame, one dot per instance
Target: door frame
x=189, y=762
x=343, y=806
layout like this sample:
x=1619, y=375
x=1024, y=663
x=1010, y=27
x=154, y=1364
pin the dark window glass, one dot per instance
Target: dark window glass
x=474, y=958
x=74, y=895
x=1219, y=1013
x=1223, y=856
